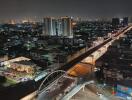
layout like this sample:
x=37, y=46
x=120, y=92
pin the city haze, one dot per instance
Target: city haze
x=18, y=9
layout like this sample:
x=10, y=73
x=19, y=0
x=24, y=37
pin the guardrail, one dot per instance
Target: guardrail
x=76, y=90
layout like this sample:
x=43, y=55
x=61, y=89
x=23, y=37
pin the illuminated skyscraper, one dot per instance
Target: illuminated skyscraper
x=47, y=26
x=54, y=27
x=51, y=26
x=59, y=27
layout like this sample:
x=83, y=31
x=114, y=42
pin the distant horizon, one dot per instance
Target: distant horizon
x=83, y=18
x=19, y=9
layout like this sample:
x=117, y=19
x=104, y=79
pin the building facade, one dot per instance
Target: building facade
x=59, y=27
x=66, y=26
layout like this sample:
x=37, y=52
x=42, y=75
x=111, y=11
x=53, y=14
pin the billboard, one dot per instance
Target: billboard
x=124, y=89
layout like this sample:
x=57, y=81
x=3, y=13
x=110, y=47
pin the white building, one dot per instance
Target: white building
x=59, y=27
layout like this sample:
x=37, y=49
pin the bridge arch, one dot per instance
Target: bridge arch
x=50, y=74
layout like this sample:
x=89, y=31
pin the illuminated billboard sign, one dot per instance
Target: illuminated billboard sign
x=124, y=89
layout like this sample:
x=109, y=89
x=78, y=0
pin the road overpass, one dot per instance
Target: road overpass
x=92, y=54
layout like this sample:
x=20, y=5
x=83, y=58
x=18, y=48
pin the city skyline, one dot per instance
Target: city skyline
x=56, y=49
x=16, y=9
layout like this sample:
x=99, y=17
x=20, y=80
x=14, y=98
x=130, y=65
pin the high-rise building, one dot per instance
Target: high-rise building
x=59, y=27
x=115, y=22
x=54, y=27
x=125, y=21
x=66, y=26
x=47, y=26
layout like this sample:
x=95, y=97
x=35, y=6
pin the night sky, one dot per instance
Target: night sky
x=39, y=8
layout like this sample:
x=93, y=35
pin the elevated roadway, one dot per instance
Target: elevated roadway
x=92, y=54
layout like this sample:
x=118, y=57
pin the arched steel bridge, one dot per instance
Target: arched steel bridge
x=42, y=87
